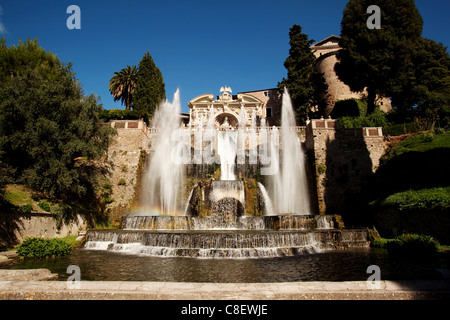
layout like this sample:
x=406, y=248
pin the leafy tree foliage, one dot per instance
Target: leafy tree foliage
x=50, y=133
x=150, y=87
x=305, y=84
x=378, y=59
x=427, y=91
x=122, y=85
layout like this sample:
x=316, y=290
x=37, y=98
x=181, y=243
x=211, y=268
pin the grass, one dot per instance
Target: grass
x=427, y=141
x=27, y=199
x=18, y=195
x=420, y=143
x=382, y=243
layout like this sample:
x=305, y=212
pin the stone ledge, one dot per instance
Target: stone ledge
x=131, y=290
x=27, y=275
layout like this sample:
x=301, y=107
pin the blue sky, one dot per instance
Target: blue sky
x=198, y=45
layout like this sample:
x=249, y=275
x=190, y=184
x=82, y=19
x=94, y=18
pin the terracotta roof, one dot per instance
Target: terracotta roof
x=332, y=37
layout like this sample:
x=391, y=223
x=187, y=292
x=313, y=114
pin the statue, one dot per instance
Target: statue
x=226, y=96
x=225, y=122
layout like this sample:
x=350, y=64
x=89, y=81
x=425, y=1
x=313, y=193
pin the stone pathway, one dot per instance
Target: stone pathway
x=132, y=290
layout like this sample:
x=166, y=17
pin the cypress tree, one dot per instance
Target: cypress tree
x=305, y=84
x=150, y=87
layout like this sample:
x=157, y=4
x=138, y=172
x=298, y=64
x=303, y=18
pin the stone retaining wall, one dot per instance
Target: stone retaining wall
x=17, y=227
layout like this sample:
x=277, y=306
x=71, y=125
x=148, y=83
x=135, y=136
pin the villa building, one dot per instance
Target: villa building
x=266, y=104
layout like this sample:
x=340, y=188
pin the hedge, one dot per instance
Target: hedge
x=428, y=199
x=413, y=246
x=41, y=248
x=117, y=114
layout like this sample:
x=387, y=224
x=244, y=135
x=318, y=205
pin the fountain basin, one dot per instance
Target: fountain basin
x=225, y=243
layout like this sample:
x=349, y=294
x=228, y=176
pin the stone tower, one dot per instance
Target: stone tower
x=325, y=52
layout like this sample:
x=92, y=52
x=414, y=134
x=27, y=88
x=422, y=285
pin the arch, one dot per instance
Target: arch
x=223, y=117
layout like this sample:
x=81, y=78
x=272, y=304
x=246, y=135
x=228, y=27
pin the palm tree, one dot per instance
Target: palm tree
x=122, y=85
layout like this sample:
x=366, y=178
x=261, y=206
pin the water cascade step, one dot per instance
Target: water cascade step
x=252, y=237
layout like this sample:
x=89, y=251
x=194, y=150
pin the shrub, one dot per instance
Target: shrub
x=44, y=206
x=26, y=208
x=321, y=168
x=399, y=129
x=428, y=199
x=122, y=182
x=350, y=108
x=41, y=248
x=117, y=114
x=377, y=119
x=379, y=242
x=413, y=246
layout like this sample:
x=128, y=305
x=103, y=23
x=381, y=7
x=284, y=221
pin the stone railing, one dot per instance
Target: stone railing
x=323, y=124
x=368, y=132
x=140, y=124
x=132, y=124
x=296, y=129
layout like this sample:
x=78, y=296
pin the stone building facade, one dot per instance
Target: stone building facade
x=265, y=104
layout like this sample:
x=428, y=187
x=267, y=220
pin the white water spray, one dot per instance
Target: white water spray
x=163, y=178
x=290, y=183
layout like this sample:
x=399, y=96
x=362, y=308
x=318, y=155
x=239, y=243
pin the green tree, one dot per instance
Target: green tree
x=378, y=59
x=123, y=84
x=427, y=91
x=50, y=133
x=306, y=85
x=150, y=87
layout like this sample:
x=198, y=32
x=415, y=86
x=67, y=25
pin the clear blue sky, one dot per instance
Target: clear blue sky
x=198, y=45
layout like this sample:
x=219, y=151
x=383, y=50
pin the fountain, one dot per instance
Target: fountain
x=234, y=216
x=291, y=193
x=164, y=178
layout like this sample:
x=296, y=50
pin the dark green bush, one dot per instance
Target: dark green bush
x=379, y=242
x=413, y=246
x=118, y=114
x=41, y=248
x=349, y=108
x=44, y=206
x=377, y=119
x=428, y=199
x=26, y=208
x=399, y=129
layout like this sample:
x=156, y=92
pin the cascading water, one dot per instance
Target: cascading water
x=290, y=183
x=163, y=178
x=267, y=201
x=226, y=148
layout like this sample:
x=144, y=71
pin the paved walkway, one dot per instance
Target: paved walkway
x=131, y=290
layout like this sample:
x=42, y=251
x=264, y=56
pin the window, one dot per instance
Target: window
x=266, y=93
x=268, y=112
